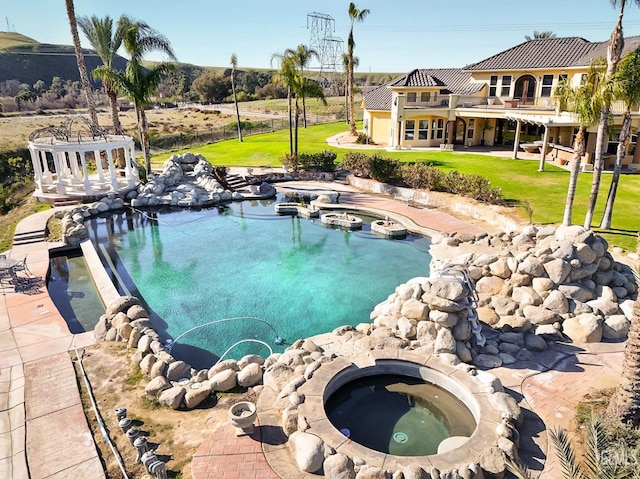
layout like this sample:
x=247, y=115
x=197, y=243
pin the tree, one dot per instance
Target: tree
x=39, y=87
x=136, y=82
x=234, y=64
x=355, y=15
x=287, y=75
x=106, y=42
x=82, y=68
x=585, y=103
x=627, y=89
x=211, y=87
x=57, y=87
x=614, y=54
x=301, y=57
x=540, y=35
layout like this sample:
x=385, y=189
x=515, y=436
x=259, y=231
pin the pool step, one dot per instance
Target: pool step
x=28, y=237
x=65, y=202
x=236, y=182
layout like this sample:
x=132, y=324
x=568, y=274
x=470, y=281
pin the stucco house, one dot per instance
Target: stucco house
x=506, y=99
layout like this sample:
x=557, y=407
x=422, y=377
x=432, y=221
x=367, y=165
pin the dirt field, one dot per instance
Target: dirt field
x=177, y=433
x=15, y=130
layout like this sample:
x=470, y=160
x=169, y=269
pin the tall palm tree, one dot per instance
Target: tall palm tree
x=82, y=68
x=345, y=63
x=136, y=82
x=301, y=57
x=286, y=75
x=627, y=89
x=585, y=103
x=540, y=35
x=106, y=42
x=614, y=54
x=355, y=15
x=234, y=64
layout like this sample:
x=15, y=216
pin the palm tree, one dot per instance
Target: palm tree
x=287, y=75
x=301, y=57
x=345, y=63
x=106, y=42
x=627, y=89
x=614, y=54
x=585, y=103
x=540, y=35
x=356, y=15
x=234, y=64
x=82, y=68
x=136, y=82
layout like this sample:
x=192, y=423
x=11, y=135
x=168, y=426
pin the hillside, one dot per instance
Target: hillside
x=28, y=61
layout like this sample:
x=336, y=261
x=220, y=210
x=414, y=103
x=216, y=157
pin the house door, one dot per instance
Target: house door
x=525, y=89
x=461, y=131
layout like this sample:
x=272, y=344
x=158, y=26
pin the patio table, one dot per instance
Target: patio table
x=7, y=264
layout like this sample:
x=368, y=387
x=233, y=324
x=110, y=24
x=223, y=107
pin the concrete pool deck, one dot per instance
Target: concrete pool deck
x=44, y=433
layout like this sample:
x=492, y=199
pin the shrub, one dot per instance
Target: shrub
x=471, y=186
x=383, y=169
x=422, y=176
x=357, y=163
x=290, y=162
x=323, y=161
x=363, y=139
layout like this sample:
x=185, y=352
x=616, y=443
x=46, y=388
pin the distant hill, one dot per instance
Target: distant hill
x=25, y=59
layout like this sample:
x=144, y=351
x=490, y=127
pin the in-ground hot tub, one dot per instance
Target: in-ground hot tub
x=398, y=414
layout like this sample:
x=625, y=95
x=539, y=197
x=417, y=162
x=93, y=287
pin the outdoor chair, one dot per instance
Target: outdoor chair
x=22, y=267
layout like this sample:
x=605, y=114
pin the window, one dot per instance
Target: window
x=562, y=78
x=437, y=129
x=547, y=83
x=425, y=96
x=423, y=130
x=493, y=85
x=409, y=129
x=471, y=128
x=411, y=97
x=583, y=79
x=506, y=86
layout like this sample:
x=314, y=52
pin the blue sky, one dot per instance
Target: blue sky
x=395, y=37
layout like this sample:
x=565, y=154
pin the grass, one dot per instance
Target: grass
x=543, y=194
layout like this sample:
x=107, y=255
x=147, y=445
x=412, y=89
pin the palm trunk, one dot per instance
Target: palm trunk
x=352, y=103
x=297, y=115
x=82, y=68
x=613, y=188
x=614, y=53
x=290, y=122
x=597, y=166
x=625, y=402
x=304, y=111
x=578, y=149
x=144, y=139
x=235, y=100
x=113, y=103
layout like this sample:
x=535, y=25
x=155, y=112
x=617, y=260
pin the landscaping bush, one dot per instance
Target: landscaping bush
x=383, y=169
x=363, y=139
x=290, y=162
x=422, y=176
x=357, y=163
x=323, y=161
x=471, y=186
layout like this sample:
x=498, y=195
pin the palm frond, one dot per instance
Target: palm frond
x=565, y=454
x=519, y=470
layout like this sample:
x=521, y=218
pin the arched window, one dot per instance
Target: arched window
x=525, y=89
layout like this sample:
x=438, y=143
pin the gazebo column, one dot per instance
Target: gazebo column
x=96, y=155
x=128, y=169
x=73, y=162
x=60, y=187
x=112, y=172
x=37, y=170
x=543, y=152
x=85, y=173
x=516, y=140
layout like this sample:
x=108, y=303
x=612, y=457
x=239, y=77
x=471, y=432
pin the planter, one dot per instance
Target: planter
x=242, y=416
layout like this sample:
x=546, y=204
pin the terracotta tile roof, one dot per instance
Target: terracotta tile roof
x=451, y=80
x=548, y=53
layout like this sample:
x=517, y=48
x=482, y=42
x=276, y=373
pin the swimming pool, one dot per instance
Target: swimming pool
x=199, y=266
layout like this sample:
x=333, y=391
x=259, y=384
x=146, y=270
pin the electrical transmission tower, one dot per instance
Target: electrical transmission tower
x=330, y=50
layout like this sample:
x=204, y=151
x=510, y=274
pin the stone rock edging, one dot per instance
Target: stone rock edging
x=72, y=221
x=173, y=383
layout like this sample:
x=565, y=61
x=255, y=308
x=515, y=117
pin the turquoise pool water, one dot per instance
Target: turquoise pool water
x=194, y=267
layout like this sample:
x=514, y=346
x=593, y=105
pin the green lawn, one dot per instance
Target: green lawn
x=519, y=179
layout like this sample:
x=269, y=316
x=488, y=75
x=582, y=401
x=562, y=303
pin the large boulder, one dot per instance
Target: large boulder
x=583, y=328
x=338, y=466
x=250, y=375
x=178, y=370
x=224, y=380
x=557, y=269
x=156, y=386
x=539, y=315
x=172, y=397
x=308, y=451
x=197, y=393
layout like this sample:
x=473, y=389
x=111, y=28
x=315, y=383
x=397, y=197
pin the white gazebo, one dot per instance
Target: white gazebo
x=79, y=160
